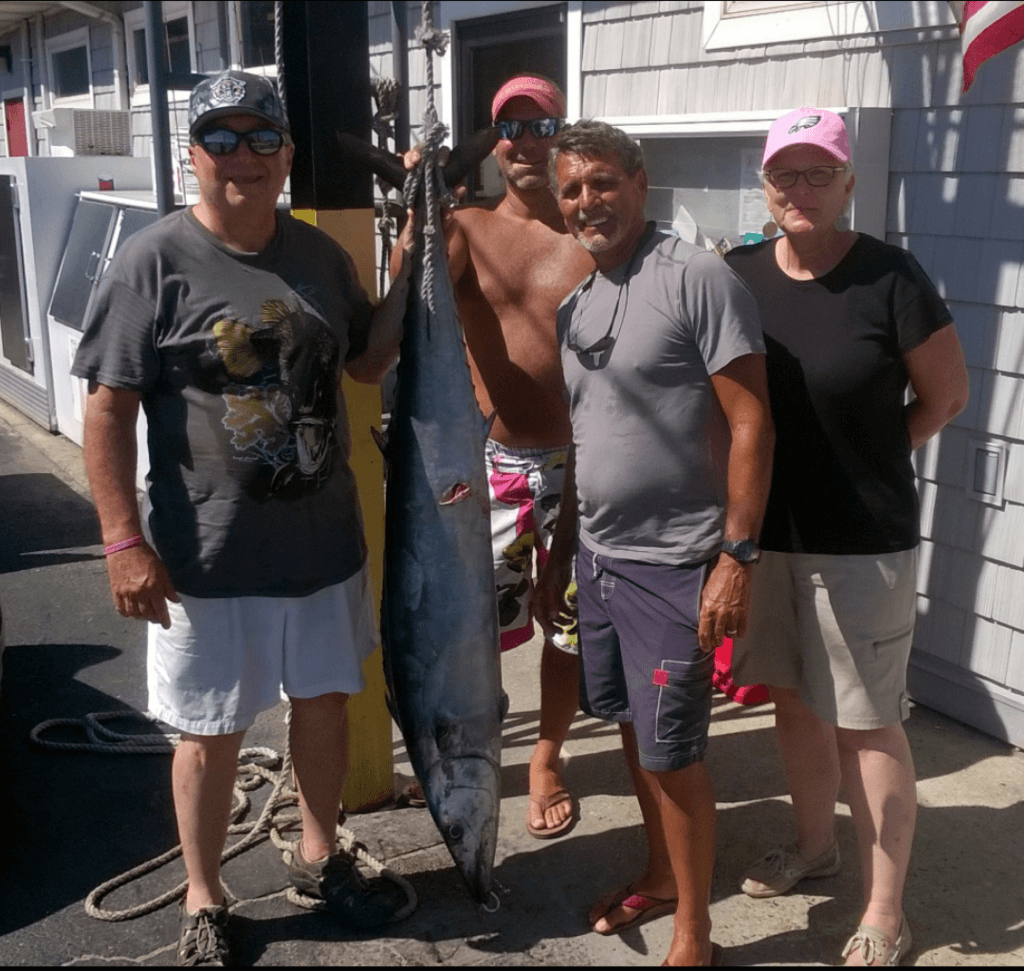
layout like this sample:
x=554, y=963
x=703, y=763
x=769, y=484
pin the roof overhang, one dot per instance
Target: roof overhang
x=13, y=14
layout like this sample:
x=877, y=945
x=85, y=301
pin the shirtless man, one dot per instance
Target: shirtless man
x=512, y=263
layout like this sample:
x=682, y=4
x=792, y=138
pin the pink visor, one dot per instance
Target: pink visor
x=544, y=94
x=808, y=126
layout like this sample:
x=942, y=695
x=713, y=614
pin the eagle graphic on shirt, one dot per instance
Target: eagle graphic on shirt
x=281, y=404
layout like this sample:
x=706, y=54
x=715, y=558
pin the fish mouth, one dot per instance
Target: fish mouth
x=463, y=795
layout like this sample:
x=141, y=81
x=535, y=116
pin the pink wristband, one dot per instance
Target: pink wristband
x=125, y=544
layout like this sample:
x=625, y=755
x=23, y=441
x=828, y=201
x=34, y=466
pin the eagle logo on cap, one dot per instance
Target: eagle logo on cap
x=808, y=121
x=229, y=90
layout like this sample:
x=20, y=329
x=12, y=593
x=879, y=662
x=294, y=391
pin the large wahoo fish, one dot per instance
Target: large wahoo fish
x=439, y=620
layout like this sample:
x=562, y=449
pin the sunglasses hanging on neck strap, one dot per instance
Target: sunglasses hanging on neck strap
x=593, y=357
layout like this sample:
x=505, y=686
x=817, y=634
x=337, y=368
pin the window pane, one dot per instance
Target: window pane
x=141, y=64
x=178, y=60
x=71, y=72
x=257, y=33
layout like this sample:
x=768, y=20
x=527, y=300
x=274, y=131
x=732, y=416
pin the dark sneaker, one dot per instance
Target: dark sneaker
x=202, y=942
x=358, y=903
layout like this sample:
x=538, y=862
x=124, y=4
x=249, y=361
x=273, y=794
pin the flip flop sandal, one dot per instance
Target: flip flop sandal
x=647, y=909
x=545, y=803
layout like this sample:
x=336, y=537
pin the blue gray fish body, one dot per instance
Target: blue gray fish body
x=439, y=618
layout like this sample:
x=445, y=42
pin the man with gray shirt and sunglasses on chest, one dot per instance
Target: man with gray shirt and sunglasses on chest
x=231, y=324
x=664, y=368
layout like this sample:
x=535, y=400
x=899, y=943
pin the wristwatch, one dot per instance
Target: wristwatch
x=742, y=550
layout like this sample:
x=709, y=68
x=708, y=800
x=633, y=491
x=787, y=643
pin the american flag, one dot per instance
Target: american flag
x=986, y=28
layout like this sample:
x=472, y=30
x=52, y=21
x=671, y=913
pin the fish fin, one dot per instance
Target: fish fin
x=389, y=167
x=504, y=706
x=468, y=154
x=489, y=423
x=381, y=440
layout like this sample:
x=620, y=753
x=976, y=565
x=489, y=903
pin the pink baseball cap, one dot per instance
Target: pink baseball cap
x=808, y=126
x=543, y=93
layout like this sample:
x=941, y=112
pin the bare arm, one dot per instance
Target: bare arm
x=386, y=326
x=938, y=376
x=742, y=390
x=139, y=581
x=549, y=595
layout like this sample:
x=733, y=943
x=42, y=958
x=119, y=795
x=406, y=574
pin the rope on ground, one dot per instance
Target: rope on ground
x=257, y=766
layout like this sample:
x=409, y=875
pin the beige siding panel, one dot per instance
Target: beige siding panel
x=1009, y=351
x=1009, y=606
x=661, y=41
x=1013, y=487
x=1001, y=534
x=644, y=8
x=913, y=74
x=595, y=11
x=636, y=43
x=594, y=86
x=672, y=86
x=1001, y=262
x=949, y=75
x=934, y=206
x=983, y=139
x=1011, y=149
x=832, y=80
x=591, y=35
x=974, y=201
x=685, y=38
x=986, y=649
x=1002, y=397
x=609, y=48
x=939, y=140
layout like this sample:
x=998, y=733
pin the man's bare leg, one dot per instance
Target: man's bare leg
x=559, y=701
x=689, y=820
x=202, y=779
x=658, y=881
x=319, y=746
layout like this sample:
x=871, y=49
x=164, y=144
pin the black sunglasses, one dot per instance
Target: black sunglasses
x=224, y=141
x=539, y=128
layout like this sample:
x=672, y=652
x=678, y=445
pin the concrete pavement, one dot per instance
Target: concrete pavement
x=75, y=820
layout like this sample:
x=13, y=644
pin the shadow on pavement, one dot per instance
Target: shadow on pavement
x=76, y=819
x=32, y=539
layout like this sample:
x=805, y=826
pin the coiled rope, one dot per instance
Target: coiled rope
x=257, y=766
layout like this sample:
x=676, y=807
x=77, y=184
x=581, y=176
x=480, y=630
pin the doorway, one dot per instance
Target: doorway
x=490, y=50
x=17, y=134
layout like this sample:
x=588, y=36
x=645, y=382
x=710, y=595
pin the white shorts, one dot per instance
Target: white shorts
x=225, y=660
x=838, y=629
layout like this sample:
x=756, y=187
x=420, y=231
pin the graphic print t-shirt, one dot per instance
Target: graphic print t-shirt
x=237, y=358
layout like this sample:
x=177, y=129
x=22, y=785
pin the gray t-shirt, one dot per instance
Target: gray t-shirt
x=237, y=357
x=651, y=438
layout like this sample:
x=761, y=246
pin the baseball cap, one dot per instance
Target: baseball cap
x=235, y=93
x=540, y=91
x=808, y=126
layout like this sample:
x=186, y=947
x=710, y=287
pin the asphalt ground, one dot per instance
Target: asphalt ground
x=74, y=820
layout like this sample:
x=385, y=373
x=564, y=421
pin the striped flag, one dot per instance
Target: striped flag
x=986, y=28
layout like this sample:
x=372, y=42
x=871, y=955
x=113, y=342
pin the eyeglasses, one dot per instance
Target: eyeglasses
x=539, y=128
x=819, y=176
x=224, y=141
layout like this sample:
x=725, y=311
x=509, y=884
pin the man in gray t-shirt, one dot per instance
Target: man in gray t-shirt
x=231, y=325
x=664, y=367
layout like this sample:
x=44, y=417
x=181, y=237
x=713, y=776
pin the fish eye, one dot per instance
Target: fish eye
x=455, y=832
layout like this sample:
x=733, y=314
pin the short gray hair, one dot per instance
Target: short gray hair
x=596, y=139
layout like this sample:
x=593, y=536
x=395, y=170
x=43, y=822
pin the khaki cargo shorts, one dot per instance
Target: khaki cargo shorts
x=838, y=629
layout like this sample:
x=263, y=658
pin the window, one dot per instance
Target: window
x=257, y=27
x=71, y=72
x=70, y=69
x=177, y=45
x=753, y=23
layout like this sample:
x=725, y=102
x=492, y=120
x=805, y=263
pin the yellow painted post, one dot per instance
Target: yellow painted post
x=371, y=773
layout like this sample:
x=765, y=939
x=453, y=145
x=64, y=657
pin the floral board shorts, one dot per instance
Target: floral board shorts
x=526, y=491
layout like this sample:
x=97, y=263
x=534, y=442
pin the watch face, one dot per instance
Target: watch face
x=743, y=550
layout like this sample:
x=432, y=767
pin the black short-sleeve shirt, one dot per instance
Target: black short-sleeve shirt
x=842, y=481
